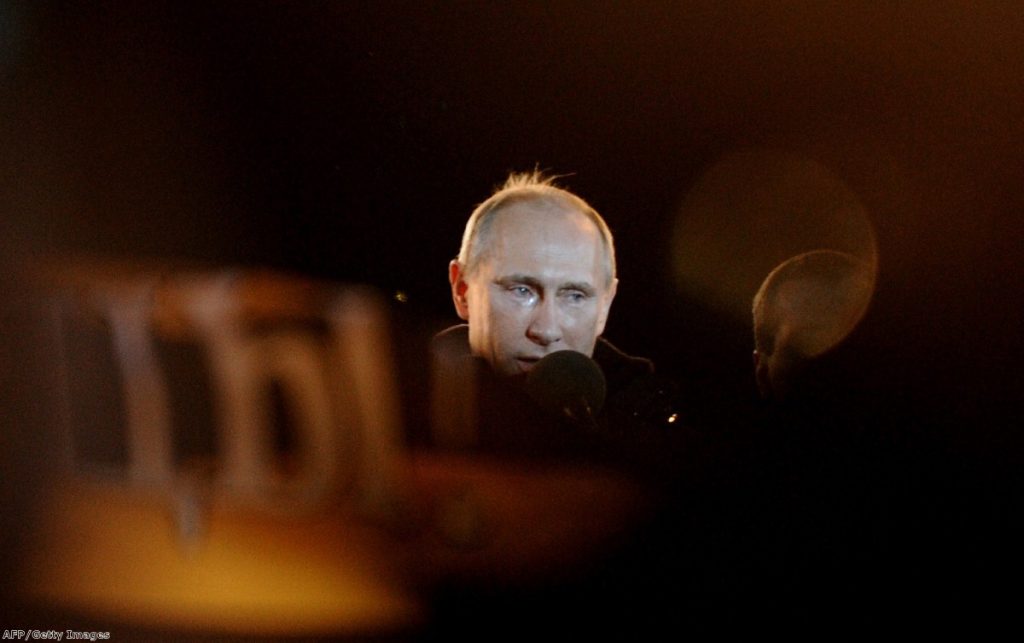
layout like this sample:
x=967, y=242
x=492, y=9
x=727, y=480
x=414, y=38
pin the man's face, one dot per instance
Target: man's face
x=539, y=286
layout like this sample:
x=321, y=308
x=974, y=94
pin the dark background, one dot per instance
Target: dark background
x=350, y=140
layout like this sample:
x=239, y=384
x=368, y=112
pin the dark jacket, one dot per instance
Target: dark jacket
x=639, y=407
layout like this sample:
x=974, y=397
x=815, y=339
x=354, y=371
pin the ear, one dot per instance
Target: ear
x=606, y=306
x=456, y=277
x=762, y=375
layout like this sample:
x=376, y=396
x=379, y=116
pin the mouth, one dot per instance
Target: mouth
x=526, y=363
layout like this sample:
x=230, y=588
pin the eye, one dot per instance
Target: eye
x=521, y=292
x=575, y=296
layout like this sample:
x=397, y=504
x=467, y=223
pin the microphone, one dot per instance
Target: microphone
x=570, y=385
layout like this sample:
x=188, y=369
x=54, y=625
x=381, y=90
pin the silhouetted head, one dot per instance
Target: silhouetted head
x=805, y=308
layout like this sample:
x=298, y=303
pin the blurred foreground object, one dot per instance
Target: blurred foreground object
x=228, y=457
x=228, y=440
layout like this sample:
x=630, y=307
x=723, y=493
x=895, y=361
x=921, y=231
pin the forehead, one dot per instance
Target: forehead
x=543, y=236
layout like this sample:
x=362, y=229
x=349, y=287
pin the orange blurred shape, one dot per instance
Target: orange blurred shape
x=114, y=554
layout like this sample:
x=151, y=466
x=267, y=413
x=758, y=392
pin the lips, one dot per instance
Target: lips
x=526, y=363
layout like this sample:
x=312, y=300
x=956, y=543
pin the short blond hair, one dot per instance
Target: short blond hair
x=524, y=187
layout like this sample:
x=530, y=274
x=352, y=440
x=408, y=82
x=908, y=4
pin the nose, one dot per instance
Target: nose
x=545, y=326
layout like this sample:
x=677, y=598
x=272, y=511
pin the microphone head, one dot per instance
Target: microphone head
x=567, y=383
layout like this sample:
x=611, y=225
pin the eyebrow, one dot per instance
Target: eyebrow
x=535, y=283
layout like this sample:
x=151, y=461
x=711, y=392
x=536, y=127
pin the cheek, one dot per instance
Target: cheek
x=581, y=327
x=507, y=320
